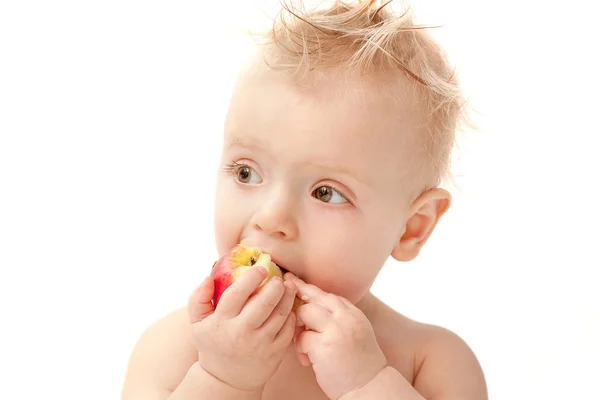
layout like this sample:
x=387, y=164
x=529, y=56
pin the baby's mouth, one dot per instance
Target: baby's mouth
x=283, y=270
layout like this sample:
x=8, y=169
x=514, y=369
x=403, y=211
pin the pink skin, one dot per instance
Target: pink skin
x=247, y=332
x=337, y=340
x=316, y=180
x=339, y=245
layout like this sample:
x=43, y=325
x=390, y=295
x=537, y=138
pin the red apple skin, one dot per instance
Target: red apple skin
x=222, y=274
x=230, y=266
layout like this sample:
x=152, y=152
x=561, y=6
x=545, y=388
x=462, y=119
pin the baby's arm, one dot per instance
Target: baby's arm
x=160, y=359
x=389, y=384
x=198, y=384
x=450, y=371
x=240, y=343
x=163, y=366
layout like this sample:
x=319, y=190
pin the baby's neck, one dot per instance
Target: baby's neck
x=370, y=305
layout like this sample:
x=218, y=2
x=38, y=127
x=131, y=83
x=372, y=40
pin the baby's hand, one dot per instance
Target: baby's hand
x=338, y=341
x=244, y=340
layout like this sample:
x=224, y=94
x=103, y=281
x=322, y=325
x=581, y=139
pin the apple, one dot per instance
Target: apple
x=241, y=259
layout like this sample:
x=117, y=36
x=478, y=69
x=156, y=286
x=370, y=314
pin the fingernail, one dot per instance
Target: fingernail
x=291, y=285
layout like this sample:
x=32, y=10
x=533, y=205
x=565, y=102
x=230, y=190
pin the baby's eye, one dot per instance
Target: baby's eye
x=246, y=174
x=243, y=173
x=327, y=194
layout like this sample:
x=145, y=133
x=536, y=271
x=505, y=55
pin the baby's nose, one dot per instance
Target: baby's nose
x=277, y=218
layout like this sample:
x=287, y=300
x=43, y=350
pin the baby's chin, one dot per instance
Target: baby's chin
x=350, y=290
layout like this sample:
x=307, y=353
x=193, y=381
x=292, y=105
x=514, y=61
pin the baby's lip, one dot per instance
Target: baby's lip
x=283, y=269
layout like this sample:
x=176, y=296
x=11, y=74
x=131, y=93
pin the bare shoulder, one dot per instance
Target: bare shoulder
x=160, y=359
x=437, y=362
x=446, y=367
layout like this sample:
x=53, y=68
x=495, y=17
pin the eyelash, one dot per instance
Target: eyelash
x=234, y=165
x=229, y=168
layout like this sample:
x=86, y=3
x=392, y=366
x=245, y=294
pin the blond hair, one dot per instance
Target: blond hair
x=365, y=35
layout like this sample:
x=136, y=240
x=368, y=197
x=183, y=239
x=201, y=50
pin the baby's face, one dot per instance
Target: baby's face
x=313, y=181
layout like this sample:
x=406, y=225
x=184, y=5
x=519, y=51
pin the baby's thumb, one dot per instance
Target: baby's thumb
x=302, y=357
x=200, y=301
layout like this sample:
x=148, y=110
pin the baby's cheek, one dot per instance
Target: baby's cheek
x=227, y=231
x=222, y=239
x=343, y=265
x=348, y=283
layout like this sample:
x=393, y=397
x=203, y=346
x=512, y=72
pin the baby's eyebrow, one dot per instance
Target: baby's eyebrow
x=234, y=140
x=237, y=140
x=335, y=168
x=348, y=171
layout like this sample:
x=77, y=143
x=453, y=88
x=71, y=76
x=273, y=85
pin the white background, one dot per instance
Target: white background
x=110, y=124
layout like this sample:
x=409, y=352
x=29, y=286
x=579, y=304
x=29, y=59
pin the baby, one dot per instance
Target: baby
x=336, y=142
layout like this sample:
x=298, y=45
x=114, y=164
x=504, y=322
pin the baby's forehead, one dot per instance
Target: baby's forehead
x=384, y=88
x=343, y=123
x=337, y=98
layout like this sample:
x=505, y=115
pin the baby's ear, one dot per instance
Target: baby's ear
x=424, y=214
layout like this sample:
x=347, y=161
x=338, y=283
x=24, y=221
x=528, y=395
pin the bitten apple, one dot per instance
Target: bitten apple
x=241, y=259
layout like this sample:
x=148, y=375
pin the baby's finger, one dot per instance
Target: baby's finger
x=279, y=315
x=200, y=301
x=286, y=334
x=235, y=296
x=307, y=343
x=313, y=316
x=312, y=294
x=299, y=329
x=258, y=309
x=303, y=359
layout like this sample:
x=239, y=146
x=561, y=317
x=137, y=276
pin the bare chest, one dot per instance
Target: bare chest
x=292, y=381
x=280, y=391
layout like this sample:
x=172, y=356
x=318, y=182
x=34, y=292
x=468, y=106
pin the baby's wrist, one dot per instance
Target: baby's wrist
x=224, y=389
x=387, y=384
